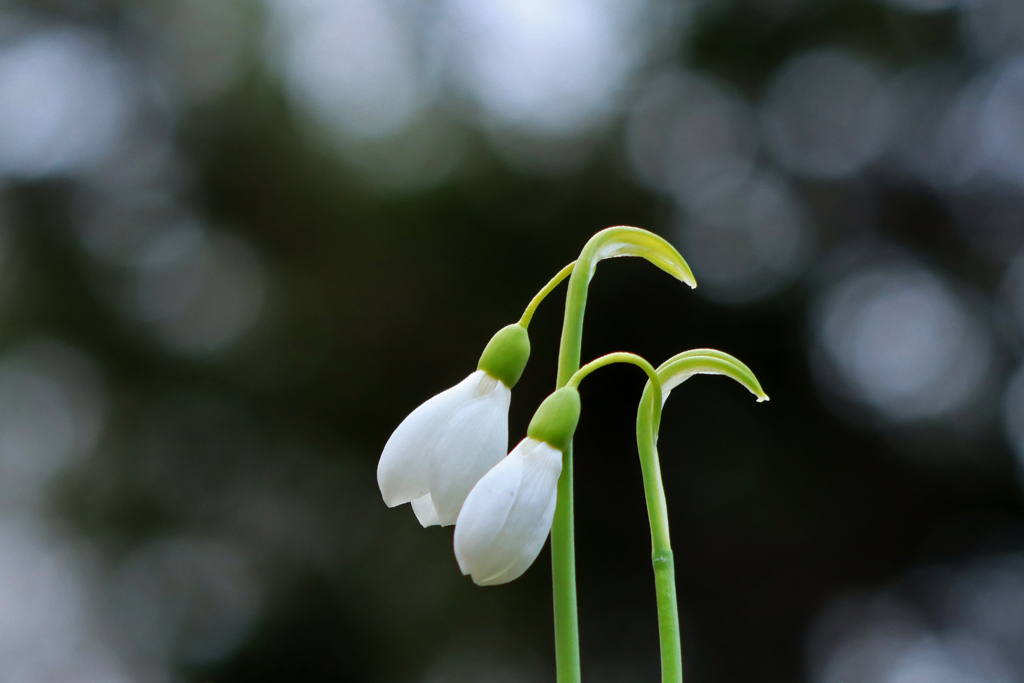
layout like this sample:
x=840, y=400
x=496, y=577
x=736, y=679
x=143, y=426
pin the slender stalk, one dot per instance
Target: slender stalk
x=611, y=242
x=542, y=294
x=621, y=357
x=661, y=547
x=671, y=374
x=567, y=647
x=648, y=419
x=563, y=537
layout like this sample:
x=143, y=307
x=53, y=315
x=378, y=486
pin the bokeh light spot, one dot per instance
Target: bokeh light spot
x=63, y=101
x=690, y=135
x=186, y=598
x=201, y=293
x=553, y=66
x=1002, y=123
x=51, y=411
x=994, y=28
x=351, y=64
x=826, y=114
x=968, y=631
x=748, y=243
x=902, y=342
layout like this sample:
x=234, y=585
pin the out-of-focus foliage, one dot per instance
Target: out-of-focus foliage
x=240, y=240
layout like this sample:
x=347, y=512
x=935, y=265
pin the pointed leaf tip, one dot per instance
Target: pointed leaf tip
x=624, y=240
x=681, y=367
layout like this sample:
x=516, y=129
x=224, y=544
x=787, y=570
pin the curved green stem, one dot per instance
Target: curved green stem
x=671, y=374
x=542, y=294
x=647, y=422
x=612, y=242
x=622, y=357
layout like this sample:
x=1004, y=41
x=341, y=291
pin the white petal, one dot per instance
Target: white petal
x=529, y=521
x=403, y=472
x=486, y=509
x=424, y=510
x=499, y=555
x=474, y=440
x=530, y=551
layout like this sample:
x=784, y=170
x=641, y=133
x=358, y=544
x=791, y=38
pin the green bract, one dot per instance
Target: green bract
x=556, y=418
x=623, y=240
x=505, y=356
x=681, y=367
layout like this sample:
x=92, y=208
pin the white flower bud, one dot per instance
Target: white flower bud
x=507, y=516
x=444, y=446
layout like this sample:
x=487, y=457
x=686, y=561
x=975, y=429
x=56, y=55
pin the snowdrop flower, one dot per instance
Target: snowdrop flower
x=507, y=516
x=447, y=444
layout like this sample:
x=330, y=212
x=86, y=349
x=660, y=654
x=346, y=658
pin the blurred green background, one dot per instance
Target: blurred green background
x=241, y=240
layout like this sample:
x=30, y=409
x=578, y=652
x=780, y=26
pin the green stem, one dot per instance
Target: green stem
x=621, y=357
x=671, y=374
x=563, y=543
x=563, y=535
x=648, y=419
x=542, y=294
x=661, y=547
x=611, y=242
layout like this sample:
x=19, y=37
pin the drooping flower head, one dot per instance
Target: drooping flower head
x=448, y=443
x=507, y=516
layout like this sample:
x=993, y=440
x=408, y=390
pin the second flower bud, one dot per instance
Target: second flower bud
x=507, y=516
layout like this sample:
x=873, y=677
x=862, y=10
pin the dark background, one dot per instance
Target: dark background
x=240, y=241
